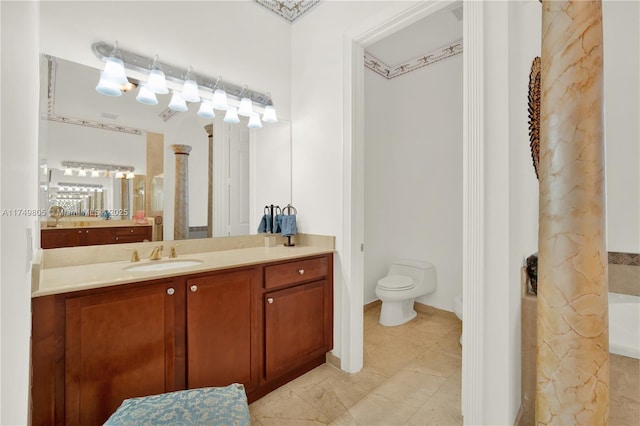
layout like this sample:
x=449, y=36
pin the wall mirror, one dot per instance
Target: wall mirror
x=91, y=143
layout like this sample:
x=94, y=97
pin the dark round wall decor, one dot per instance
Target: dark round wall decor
x=534, y=112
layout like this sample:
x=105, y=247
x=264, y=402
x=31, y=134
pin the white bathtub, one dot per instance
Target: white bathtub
x=624, y=325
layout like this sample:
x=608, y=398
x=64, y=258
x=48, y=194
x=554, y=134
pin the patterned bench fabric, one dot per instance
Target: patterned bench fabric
x=221, y=406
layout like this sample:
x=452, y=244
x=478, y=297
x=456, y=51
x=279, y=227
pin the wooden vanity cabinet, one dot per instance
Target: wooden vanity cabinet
x=73, y=237
x=92, y=349
x=118, y=345
x=298, y=314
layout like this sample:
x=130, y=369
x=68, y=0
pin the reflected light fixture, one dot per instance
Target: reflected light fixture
x=95, y=173
x=190, y=88
x=108, y=87
x=82, y=173
x=146, y=96
x=231, y=116
x=177, y=102
x=254, y=121
x=219, y=96
x=68, y=171
x=246, y=107
x=130, y=175
x=269, y=115
x=95, y=168
x=119, y=175
x=206, y=109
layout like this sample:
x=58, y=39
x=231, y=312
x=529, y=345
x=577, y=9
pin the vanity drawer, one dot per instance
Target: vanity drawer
x=133, y=234
x=295, y=272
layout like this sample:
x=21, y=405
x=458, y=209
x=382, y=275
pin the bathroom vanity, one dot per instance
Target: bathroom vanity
x=88, y=235
x=257, y=316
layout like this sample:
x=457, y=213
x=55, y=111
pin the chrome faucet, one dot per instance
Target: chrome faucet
x=156, y=254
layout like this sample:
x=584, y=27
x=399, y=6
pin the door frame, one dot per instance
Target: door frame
x=350, y=300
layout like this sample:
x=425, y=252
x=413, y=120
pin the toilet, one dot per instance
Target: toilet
x=406, y=280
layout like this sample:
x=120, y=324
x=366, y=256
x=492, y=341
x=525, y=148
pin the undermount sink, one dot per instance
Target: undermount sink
x=163, y=265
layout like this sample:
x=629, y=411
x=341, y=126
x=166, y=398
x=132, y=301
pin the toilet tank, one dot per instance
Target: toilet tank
x=421, y=272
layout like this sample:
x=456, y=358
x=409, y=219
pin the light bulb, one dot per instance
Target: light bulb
x=177, y=102
x=157, y=81
x=146, y=96
x=206, y=110
x=68, y=172
x=95, y=174
x=231, y=116
x=119, y=175
x=130, y=175
x=82, y=173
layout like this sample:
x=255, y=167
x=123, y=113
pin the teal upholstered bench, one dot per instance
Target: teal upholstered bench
x=222, y=406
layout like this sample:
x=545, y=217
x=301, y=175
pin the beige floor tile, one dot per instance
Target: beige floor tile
x=624, y=412
x=373, y=410
x=450, y=346
x=440, y=409
x=324, y=398
x=345, y=419
x=351, y=388
x=625, y=377
x=285, y=408
x=410, y=388
x=436, y=363
x=387, y=360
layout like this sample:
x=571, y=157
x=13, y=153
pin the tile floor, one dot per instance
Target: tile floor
x=411, y=376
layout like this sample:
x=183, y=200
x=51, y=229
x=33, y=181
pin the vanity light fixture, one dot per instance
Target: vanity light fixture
x=187, y=85
x=96, y=169
x=119, y=175
x=206, y=109
x=178, y=103
x=231, y=116
x=157, y=81
x=246, y=107
x=130, y=175
x=146, y=96
x=254, y=121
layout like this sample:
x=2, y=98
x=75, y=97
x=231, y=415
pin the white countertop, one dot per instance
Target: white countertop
x=65, y=279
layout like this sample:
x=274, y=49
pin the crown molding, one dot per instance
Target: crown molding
x=288, y=9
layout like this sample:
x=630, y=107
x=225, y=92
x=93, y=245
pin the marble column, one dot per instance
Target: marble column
x=209, y=129
x=572, y=319
x=181, y=199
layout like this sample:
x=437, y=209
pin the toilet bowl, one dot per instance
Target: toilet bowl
x=406, y=280
x=457, y=309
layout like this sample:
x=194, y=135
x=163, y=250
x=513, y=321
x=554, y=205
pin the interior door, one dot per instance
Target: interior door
x=238, y=188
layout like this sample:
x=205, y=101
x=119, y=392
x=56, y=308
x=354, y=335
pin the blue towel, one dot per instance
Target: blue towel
x=277, y=224
x=265, y=224
x=289, y=227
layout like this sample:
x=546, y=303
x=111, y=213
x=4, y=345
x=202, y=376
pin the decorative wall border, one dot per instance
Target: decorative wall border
x=618, y=258
x=288, y=9
x=392, y=71
x=52, y=116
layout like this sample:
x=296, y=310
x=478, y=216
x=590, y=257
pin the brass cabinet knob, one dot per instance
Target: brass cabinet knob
x=301, y=271
x=170, y=291
x=194, y=288
x=270, y=300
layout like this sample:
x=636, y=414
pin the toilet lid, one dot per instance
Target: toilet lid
x=396, y=282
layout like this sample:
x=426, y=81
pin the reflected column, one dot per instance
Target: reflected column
x=572, y=321
x=209, y=129
x=181, y=199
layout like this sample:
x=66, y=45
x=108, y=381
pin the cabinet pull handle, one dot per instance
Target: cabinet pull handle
x=170, y=291
x=194, y=288
x=270, y=300
x=301, y=271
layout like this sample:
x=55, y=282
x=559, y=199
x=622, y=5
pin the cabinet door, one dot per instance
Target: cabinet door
x=221, y=330
x=97, y=236
x=118, y=345
x=295, y=325
x=56, y=238
x=134, y=234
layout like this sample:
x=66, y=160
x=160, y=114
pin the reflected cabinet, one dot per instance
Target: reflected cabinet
x=261, y=326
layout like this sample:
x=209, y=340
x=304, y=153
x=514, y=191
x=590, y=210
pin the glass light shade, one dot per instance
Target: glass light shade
x=146, y=96
x=68, y=172
x=246, y=107
x=130, y=175
x=95, y=173
x=269, y=115
x=157, y=82
x=114, y=70
x=82, y=173
x=254, y=122
x=206, y=110
x=220, y=99
x=190, y=91
x=177, y=103
x=231, y=116
x=119, y=175
x=108, y=87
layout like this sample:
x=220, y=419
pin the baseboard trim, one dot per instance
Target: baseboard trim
x=333, y=360
x=372, y=305
x=428, y=309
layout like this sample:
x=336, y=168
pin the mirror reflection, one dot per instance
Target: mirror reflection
x=111, y=162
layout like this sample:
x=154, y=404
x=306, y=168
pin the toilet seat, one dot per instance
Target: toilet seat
x=396, y=283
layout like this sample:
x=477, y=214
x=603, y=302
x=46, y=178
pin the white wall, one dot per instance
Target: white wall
x=19, y=190
x=413, y=175
x=621, y=22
